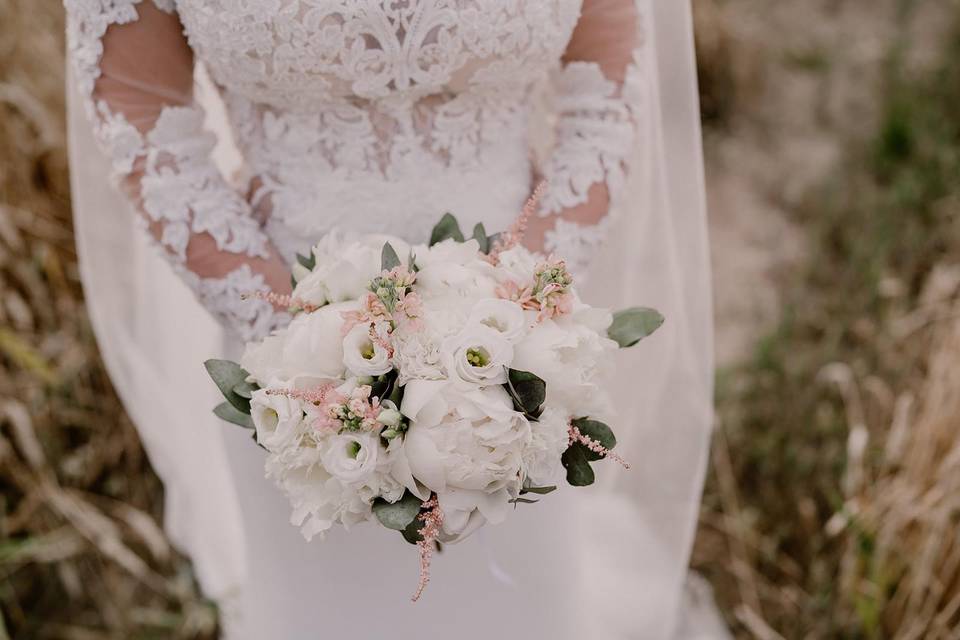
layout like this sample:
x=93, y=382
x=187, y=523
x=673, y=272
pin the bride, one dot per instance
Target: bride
x=379, y=116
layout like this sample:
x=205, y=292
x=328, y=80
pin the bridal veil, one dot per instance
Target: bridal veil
x=636, y=536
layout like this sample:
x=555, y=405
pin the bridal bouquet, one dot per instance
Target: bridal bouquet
x=431, y=388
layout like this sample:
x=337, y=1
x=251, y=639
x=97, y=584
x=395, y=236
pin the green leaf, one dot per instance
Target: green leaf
x=630, y=326
x=447, y=228
x=596, y=430
x=579, y=473
x=245, y=389
x=307, y=262
x=412, y=532
x=227, y=375
x=226, y=411
x=522, y=501
x=540, y=491
x=527, y=390
x=382, y=386
x=480, y=235
x=388, y=257
x=397, y=515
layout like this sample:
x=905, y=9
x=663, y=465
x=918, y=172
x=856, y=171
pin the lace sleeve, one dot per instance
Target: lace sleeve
x=597, y=105
x=134, y=69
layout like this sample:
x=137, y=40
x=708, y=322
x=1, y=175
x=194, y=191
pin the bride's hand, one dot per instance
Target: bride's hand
x=205, y=260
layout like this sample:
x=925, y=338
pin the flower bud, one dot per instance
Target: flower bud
x=389, y=418
x=389, y=434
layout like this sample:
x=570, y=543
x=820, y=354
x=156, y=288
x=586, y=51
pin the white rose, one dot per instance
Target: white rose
x=362, y=356
x=277, y=418
x=478, y=355
x=549, y=439
x=311, y=348
x=351, y=457
x=503, y=316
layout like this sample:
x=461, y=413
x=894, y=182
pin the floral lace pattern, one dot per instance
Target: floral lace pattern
x=364, y=112
x=596, y=135
x=179, y=186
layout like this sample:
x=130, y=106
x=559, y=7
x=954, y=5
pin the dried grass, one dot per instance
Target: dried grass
x=81, y=554
x=834, y=498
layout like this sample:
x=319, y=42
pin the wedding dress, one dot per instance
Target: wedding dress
x=379, y=116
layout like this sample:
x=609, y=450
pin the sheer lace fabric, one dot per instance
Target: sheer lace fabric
x=133, y=65
x=421, y=105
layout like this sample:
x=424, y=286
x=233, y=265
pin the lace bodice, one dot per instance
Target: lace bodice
x=373, y=114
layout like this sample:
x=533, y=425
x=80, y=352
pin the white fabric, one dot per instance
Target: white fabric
x=604, y=562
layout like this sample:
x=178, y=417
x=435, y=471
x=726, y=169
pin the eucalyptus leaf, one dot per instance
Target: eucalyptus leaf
x=522, y=501
x=397, y=515
x=388, y=257
x=540, y=491
x=307, y=262
x=245, y=389
x=412, y=532
x=630, y=326
x=227, y=375
x=527, y=390
x=226, y=411
x=480, y=235
x=579, y=472
x=447, y=228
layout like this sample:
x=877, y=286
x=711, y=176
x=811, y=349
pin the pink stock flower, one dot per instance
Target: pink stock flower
x=549, y=295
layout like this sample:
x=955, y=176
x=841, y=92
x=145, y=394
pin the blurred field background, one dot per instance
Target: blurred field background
x=832, y=131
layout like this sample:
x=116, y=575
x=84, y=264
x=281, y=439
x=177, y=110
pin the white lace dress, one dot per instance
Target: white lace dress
x=373, y=116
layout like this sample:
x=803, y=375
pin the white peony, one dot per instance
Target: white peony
x=503, y=316
x=362, y=356
x=478, y=355
x=310, y=349
x=571, y=358
x=468, y=445
x=277, y=418
x=343, y=267
x=449, y=267
x=517, y=264
x=351, y=457
x=549, y=439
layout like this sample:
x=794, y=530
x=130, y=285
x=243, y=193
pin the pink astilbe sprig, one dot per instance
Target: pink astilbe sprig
x=281, y=300
x=575, y=435
x=514, y=235
x=316, y=395
x=432, y=520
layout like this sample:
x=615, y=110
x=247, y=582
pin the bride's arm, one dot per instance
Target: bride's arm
x=598, y=114
x=135, y=69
